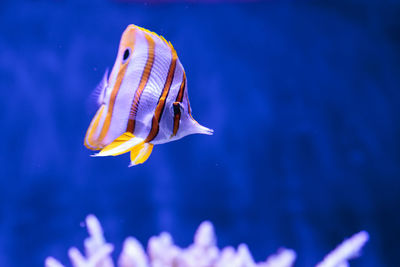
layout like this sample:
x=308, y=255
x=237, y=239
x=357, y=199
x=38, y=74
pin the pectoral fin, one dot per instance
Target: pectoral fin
x=121, y=145
x=140, y=151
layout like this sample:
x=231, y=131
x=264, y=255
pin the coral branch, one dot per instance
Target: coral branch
x=346, y=251
x=161, y=252
x=52, y=262
x=283, y=258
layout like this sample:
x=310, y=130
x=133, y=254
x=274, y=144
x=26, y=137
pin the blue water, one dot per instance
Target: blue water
x=303, y=96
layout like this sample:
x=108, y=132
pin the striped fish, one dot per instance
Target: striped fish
x=144, y=101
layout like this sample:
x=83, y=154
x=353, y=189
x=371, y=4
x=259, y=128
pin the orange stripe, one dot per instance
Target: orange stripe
x=89, y=143
x=143, y=82
x=114, y=93
x=155, y=127
x=177, y=112
x=179, y=97
x=117, y=85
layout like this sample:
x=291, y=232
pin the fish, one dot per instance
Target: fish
x=143, y=101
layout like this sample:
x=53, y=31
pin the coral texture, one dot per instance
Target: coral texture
x=161, y=252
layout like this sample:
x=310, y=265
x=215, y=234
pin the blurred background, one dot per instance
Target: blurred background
x=303, y=96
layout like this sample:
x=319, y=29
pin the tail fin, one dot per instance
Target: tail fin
x=203, y=130
x=140, y=151
x=197, y=128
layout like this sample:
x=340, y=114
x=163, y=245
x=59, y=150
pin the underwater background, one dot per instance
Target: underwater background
x=303, y=97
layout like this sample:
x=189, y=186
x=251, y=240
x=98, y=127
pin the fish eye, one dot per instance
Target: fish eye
x=126, y=55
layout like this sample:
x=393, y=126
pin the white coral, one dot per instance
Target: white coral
x=347, y=250
x=162, y=252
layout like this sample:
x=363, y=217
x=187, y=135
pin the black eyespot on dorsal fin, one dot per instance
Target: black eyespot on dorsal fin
x=177, y=108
